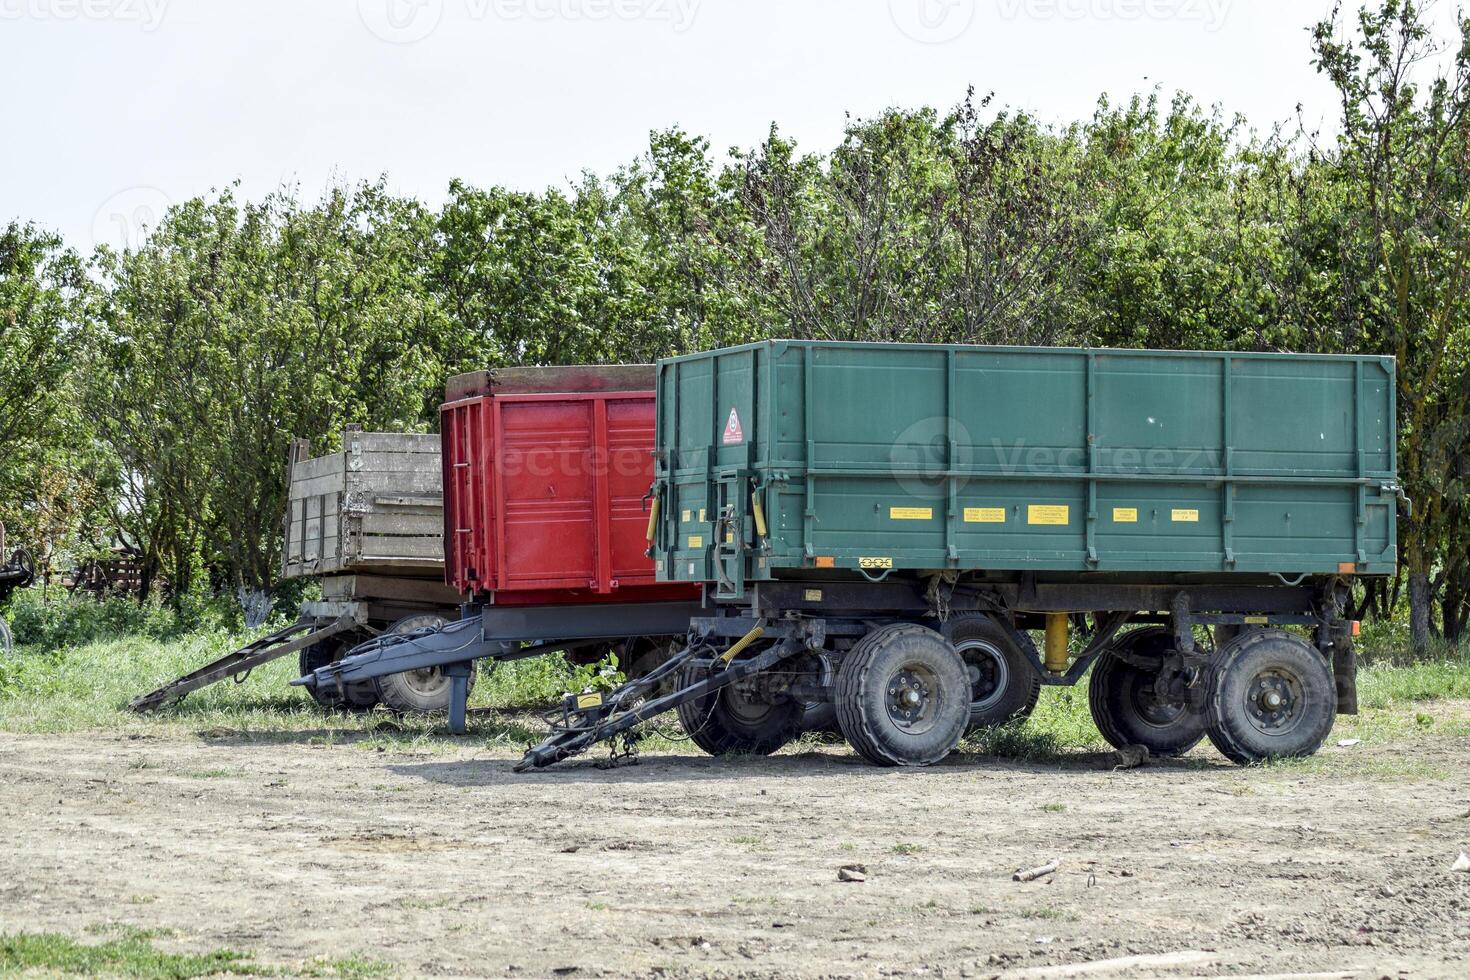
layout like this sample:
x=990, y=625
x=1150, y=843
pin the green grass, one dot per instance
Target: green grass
x=87, y=688
x=132, y=953
x=1387, y=685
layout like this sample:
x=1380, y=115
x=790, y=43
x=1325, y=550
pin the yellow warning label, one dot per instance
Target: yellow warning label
x=875, y=563
x=1125, y=515
x=1257, y=621
x=702, y=515
x=696, y=541
x=985, y=515
x=1049, y=515
x=910, y=514
x=812, y=595
x=585, y=701
x=729, y=537
x=1186, y=517
x=688, y=516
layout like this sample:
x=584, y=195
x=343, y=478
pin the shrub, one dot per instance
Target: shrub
x=54, y=620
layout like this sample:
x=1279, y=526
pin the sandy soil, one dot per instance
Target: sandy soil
x=442, y=862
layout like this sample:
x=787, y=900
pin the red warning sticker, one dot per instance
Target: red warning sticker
x=734, y=433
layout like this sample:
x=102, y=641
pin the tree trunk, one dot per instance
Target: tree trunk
x=1453, y=612
x=1421, y=602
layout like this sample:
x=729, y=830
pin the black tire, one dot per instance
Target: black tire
x=1227, y=634
x=742, y=719
x=1125, y=707
x=416, y=691
x=876, y=679
x=360, y=697
x=1271, y=696
x=646, y=663
x=1004, y=687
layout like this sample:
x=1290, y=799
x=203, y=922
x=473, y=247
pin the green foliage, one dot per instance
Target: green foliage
x=237, y=327
x=535, y=683
x=602, y=676
x=57, y=621
x=49, y=471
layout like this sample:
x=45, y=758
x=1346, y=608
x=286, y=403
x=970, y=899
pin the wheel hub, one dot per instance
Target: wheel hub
x=1156, y=701
x=748, y=702
x=427, y=680
x=989, y=672
x=913, y=698
x=1274, y=702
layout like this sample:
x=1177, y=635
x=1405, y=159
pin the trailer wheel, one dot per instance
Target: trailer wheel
x=747, y=718
x=1271, y=696
x=361, y=696
x=1126, y=705
x=416, y=691
x=903, y=696
x=1003, y=686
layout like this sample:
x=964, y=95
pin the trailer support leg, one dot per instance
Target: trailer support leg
x=459, y=695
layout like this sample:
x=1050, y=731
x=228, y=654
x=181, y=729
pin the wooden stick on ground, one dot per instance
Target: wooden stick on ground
x=1040, y=872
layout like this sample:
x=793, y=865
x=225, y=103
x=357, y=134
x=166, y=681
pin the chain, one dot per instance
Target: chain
x=626, y=756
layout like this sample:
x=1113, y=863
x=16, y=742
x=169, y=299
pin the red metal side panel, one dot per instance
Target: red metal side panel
x=547, y=493
x=543, y=498
x=630, y=436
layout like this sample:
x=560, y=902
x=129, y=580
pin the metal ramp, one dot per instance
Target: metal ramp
x=298, y=636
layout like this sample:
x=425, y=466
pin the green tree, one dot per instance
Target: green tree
x=1403, y=162
x=237, y=328
x=48, y=479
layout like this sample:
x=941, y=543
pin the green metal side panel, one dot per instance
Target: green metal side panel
x=930, y=457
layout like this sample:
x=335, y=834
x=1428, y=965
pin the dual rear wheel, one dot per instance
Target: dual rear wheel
x=904, y=695
x=1264, y=694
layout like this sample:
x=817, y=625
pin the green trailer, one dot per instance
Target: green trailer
x=882, y=528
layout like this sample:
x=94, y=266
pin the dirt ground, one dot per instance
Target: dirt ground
x=441, y=861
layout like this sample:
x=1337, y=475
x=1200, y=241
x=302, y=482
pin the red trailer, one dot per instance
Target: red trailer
x=546, y=480
x=545, y=491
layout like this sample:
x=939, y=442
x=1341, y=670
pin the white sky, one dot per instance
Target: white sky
x=111, y=108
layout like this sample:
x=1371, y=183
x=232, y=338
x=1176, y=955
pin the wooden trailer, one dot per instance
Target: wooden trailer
x=368, y=524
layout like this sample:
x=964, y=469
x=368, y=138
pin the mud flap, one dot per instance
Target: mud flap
x=1345, y=671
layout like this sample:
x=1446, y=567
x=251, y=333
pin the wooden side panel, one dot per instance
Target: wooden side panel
x=378, y=505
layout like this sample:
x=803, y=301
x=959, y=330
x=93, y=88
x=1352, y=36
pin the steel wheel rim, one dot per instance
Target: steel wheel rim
x=988, y=670
x=1153, y=711
x=426, y=682
x=1274, y=702
x=746, y=703
x=913, y=698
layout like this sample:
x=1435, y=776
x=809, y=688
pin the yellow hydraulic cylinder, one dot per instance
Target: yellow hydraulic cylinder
x=760, y=514
x=653, y=520
x=1058, y=637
